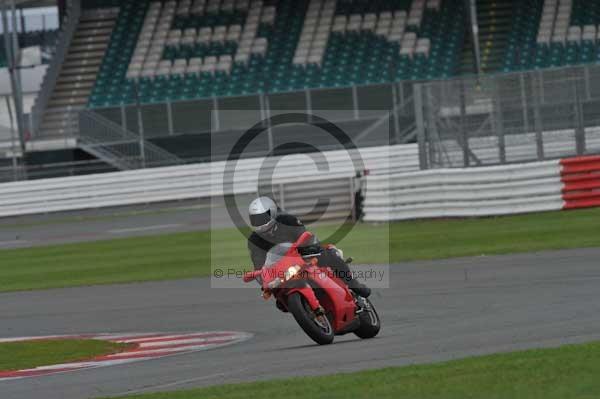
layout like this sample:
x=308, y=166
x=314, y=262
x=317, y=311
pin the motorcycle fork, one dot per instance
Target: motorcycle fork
x=308, y=293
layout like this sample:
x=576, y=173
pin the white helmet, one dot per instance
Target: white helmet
x=263, y=212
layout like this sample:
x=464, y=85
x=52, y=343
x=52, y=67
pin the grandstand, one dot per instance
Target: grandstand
x=157, y=69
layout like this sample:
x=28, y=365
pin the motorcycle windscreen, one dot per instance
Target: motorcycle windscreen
x=277, y=253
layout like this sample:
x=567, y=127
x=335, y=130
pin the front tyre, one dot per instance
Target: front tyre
x=370, y=324
x=318, y=328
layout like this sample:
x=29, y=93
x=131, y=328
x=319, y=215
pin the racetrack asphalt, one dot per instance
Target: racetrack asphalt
x=433, y=311
x=112, y=223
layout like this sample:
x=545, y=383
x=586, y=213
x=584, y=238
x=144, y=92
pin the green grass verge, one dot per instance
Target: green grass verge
x=569, y=372
x=30, y=354
x=187, y=255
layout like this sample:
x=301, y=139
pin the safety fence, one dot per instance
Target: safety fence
x=487, y=191
x=479, y=120
x=199, y=180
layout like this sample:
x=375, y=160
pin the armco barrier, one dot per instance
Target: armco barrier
x=191, y=181
x=581, y=182
x=497, y=190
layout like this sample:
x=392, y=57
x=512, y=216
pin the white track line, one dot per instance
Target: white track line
x=147, y=228
x=13, y=243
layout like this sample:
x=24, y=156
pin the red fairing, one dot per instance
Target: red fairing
x=334, y=296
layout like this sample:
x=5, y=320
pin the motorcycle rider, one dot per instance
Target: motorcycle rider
x=274, y=226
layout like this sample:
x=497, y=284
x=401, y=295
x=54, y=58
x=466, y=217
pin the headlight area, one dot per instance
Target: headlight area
x=289, y=274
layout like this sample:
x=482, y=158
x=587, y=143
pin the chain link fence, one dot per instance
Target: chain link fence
x=508, y=118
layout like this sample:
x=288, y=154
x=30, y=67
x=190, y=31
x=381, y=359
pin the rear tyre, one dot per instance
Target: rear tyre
x=318, y=328
x=369, y=321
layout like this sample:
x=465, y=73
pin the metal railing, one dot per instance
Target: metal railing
x=69, y=25
x=117, y=146
x=188, y=117
x=507, y=118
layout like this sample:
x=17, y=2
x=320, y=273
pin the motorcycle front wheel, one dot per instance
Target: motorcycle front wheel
x=318, y=328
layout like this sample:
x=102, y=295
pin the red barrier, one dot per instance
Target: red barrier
x=581, y=182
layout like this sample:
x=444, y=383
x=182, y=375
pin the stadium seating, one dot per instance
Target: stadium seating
x=189, y=49
x=553, y=33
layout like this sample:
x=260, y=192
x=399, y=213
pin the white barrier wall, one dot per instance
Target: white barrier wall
x=193, y=181
x=485, y=191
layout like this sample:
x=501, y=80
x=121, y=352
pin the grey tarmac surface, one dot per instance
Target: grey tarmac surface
x=433, y=311
x=112, y=223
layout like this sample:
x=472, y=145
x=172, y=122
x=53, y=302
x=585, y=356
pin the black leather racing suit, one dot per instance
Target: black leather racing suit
x=288, y=228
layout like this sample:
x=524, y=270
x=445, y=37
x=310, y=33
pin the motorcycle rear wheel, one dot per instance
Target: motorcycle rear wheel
x=319, y=330
x=370, y=324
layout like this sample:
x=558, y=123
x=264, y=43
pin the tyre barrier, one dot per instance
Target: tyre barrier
x=581, y=182
x=570, y=183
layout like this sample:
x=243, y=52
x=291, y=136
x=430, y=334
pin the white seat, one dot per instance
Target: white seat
x=208, y=68
x=195, y=61
x=190, y=32
x=589, y=33
x=259, y=46
x=225, y=63
x=558, y=38
x=415, y=20
x=212, y=7
x=302, y=52
x=193, y=69
x=300, y=60
x=242, y=58
x=137, y=59
x=544, y=37
x=183, y=10
x=368, y=25
x=211, y=59
x=228, y=5
x=174, y=37
x=315, y=59
x=355, y=19
x=395, y=37
x=133, y=74
x=400, y=14
x=147, y=73
x=423, y=46
x=319, y=44
x=220, y=29
x=406, y=51
x=321, y=36
x=317, y=51
x=434, y=4
x=164, y=64
x=204, y=36
x=353, y=26
x=245, y=45
x=179, y=67
x=152, y=58
x=397, y=27
x=385, y=15
x=268, y=15
x=218, y=37
x=369, y=21
x=188, y=40
x=574, y=34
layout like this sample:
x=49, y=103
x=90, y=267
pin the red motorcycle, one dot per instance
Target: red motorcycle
x=321, y=302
